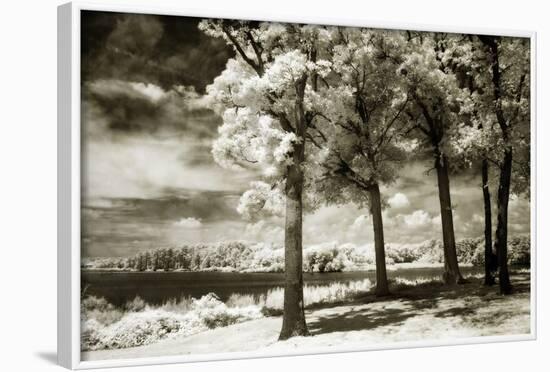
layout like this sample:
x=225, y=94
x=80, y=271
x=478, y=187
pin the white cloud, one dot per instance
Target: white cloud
x=152, y=91
x=136, y=163
x=360, y=222
x=264, y=231
x=99, y=203
x=417, y=218
x=110, y=88
x=189, y=223
x=145, y=167
x=476, y=218
x=255, y=228
x=399, y=200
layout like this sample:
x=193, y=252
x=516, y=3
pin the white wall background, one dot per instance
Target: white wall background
x=28, y=182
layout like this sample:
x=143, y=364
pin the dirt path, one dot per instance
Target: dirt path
x=424, y=312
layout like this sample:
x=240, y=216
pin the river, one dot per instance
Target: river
x=158, y=287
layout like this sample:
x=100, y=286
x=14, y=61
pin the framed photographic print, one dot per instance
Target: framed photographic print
x=237, y=186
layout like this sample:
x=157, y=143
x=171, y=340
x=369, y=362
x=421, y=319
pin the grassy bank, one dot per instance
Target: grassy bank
x=105, y=326
x=419, y=310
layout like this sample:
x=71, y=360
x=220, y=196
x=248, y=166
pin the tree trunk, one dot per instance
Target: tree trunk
x=501, y=242
x=294, y=321
x=451, y=274
x=376, y=212
x=489, y=256
x=503, y=197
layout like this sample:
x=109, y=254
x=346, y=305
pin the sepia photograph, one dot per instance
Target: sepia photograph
x=280, y=188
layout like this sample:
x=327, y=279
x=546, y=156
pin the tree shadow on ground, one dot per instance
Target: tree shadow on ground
x=365, y=318
x=406, y=303
x=357, y=320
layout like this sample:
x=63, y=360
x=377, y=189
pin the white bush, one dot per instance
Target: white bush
x=316, y=294
x=151, y=325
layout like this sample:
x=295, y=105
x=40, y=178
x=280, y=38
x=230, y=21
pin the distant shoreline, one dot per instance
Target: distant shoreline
x=369, y=268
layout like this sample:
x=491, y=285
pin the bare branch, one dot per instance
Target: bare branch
x=241, y=51
x=257, y=50
x=393, y=120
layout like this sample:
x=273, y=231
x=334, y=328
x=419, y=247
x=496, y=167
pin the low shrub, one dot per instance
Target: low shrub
x=183, y=305
x=316, y=294
x=399, y=283
x=323, y=258
x=106, y=317
x=478, y=258
x=133, y=329
x=472, y=251
x=466, y=250
x=402, y=253
x=136, y=305
x=91, y=303
x=431, y=251
x=151, y=324
x=220, y=320
x=242, y=300
x=100, y=310
x=519, y=250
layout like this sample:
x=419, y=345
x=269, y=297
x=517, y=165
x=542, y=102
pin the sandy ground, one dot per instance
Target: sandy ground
x=425, y=312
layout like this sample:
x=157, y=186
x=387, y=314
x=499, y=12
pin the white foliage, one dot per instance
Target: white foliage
x=284, y=150
x=261, y=196
x=154, y=324
x=250, y=139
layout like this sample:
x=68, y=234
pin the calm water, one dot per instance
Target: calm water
x=158, y=287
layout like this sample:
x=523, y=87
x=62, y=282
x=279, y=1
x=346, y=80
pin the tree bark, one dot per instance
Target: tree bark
x=377, y=224
x=435, y=131
x=451, y=274
x=503, y=196
x=489, y=256
x=501, y=242
x=294, y=321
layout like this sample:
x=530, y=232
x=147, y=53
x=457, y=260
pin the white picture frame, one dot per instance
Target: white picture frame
x=69, y=187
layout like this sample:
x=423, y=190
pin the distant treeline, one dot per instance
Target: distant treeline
x=328, y=257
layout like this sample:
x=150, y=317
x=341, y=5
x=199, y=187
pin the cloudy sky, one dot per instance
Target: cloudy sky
x=149, y=179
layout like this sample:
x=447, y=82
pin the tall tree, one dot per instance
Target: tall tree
x=494, y=72
x=439, y=108
x=460, y=54
x=489, y=256
x=264, y=96
x=359, y=127
x=508, y=73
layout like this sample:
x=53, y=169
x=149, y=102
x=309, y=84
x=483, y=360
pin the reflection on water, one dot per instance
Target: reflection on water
x=158, y=287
